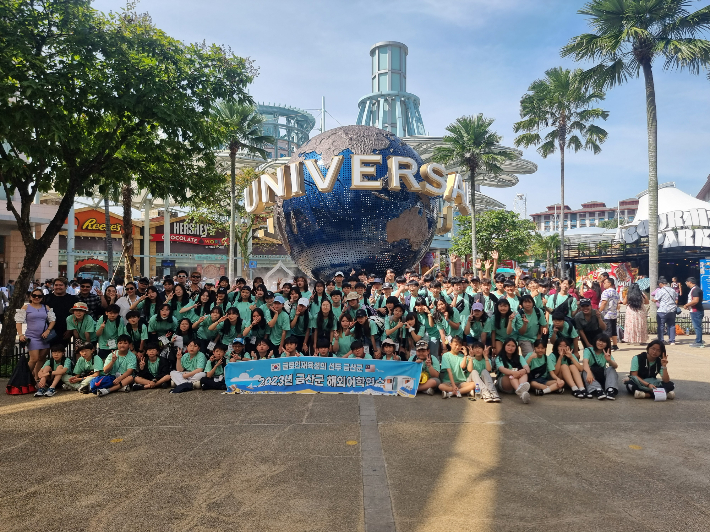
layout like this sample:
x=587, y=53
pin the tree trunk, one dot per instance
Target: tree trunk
x=129, y=259
x=652, y=125
x=562, y=210
x=474, y=251
x=232, y=214
x=109, y=238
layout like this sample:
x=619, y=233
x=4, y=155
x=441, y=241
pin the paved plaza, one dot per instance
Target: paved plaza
x=205, y=461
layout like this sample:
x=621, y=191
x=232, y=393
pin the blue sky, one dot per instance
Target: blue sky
x=465, y=57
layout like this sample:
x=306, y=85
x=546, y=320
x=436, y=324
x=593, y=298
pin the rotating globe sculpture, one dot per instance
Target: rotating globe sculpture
x=355, y=229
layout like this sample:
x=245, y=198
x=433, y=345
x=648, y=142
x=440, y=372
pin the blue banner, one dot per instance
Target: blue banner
x=323, y=375
x=705, y=279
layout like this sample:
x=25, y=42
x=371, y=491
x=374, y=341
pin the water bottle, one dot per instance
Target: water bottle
x=478, y=390
x=687, y=331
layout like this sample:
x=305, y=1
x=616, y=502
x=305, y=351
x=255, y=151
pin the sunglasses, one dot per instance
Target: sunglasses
x=130, y=288
x=37, y=295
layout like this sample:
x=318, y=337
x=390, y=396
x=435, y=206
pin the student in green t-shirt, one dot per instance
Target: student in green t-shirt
x=455, y=379
x=478, y=325
x=479, y=366
x=502, y=326
x=300, y=320
x=214, y=369
x=322, y=348
x=153, y=371
x=55, y=371
x=291, y=348
x=512, y=371
x=228, y=326
x=87, y=367
x=529, y=324
x=162, y=324
x=138, y=332
x=543, y=377
x=562, y=329
x=239, y=352
x=81, y=324
x=122, y=364
x=358, y=351
x=342, y=339
x=323, y=325
x=108, y=327
x=431, y=368
x=190, y=368
x=204, y=335
x=279, y=325
x=600, y=369
x=568, y=366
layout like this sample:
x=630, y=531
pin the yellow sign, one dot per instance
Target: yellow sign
x=93, y=225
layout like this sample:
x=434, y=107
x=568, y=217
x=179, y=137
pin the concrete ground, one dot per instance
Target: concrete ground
x=205, y=461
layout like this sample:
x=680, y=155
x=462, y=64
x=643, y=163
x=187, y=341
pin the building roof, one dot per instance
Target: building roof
x=705, y=190
x=669, y=199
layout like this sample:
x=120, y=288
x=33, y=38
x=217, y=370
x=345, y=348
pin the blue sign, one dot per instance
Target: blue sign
x=167, y=263
x=324, y=375
x=252, y=264
x=705, y=279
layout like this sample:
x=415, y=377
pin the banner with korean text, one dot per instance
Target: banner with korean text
x=324, y=375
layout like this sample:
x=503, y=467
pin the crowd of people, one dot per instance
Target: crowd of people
x=506, y=335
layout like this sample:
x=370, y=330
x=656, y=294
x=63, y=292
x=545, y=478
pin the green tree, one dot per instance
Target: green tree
x=501, y=231
x=544, y=248
x=611, y=224
x=472, y=145
x=242, y=131
x=87, y=98
x=556, y=113
x=629, y=36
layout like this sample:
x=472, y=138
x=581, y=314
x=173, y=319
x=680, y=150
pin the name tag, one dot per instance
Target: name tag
x=210, y=346
x=111, y=344
x=367, y=350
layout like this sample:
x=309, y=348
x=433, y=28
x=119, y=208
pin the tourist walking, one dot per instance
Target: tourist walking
x=636, y=322
x=667, y=301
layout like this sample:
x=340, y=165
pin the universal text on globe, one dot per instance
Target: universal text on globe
x=289, y=180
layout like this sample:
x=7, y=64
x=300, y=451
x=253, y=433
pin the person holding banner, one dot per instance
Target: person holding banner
x=645, y=369
x=429, y=379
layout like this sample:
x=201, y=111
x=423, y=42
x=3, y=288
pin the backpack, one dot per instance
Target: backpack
x=538, y=312
x=461, y=305
x=379, y=321
x=564, y=307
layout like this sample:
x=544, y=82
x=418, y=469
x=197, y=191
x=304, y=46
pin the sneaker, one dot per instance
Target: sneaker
x=429, y=391
x=614, y=347
x=671, y=343
x=601, y=396
x=579, y=394
x=670, y=395
x=101, y=392
x=66, y=388
x=539, y=392
x=638, y=394
x=525, y=397
x=458, y=394
x=589, y=395
x=444, y=395
x=524, y=387
x=496, y=399
x=561, y=390
x=126, y=388
x=487, y=399
x=50, y=393
x=135, y=386
x=196, y=385
x=40, y=392
x=611, y=393
x=85, y=388
x=611, y=397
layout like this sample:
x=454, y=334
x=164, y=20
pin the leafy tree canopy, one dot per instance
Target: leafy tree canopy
x=503, y=231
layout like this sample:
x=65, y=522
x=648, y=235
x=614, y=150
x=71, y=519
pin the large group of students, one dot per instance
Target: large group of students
x=473, y=336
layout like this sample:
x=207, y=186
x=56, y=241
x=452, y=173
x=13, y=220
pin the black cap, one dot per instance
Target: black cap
x=361, y=313
x=584, y=302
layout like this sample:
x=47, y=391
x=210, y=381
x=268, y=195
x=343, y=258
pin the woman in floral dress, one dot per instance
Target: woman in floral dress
x=636, y=322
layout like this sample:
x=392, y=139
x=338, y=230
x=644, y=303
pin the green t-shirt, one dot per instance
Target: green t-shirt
x=122, y=364
x=595, y=359
x=344, y=344
x=434, y=363
x=444, y=325
x=282, y=324
x=217, y=372
x=153, y=367
x=244, y=310
x=373, y=330
x=567, y=331
x=109, y=336
x=366, y=357
x=162, y=327
x=153, y=307
x=534, y=324
x=555, y=300
x=86, y=325
x=136, y=335
x=192, y=363
x=538, y=301
x=54, y=364
x=479, y=365
x=337, y=311
x=514, y=303
x=83, y=366
x=203, y=331
x=466, y=307
x=302, y=323
x=535, y=362
x=232, y=332
x=503, y=361
x=565, y=360
x=502, y=331
x=478, y=328
x=452, y=362
x=635, y=366
x=395, y=336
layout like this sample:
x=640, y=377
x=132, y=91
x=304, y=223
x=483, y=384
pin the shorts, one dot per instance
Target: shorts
x=499, y=384
x=435, y=379
x=542, y=380
x=103, y=353
x=610, y=327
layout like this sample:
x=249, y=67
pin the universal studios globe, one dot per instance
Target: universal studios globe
x=356, y=229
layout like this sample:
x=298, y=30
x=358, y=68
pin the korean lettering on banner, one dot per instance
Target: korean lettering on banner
x=705, y=279
x=323, y=375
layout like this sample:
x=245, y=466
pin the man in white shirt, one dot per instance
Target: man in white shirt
x=667, y=300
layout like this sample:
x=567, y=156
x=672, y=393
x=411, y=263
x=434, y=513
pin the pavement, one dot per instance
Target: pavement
x=205, y=461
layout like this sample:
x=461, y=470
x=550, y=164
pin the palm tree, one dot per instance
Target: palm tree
x=472, y=145
x=561, y=104
x=242, y=131
x=630, y=36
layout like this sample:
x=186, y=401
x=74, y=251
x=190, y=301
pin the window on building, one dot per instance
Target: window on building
x=631, y=218
x=583, y=223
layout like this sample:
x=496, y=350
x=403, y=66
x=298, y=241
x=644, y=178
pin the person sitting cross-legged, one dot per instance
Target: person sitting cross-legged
x=122, y=364
x=190, y=368
x=153, y=370
x=645, y=369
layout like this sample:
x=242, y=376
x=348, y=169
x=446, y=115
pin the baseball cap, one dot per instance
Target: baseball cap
x=388, y=341
x=387, y=285
x=238, y=341
x=477, y=306
x=304, y=301
x=422, y=344
x=420, y=301
x=279, y=299
x=339, y=274
x=351, y=296
x=361, y=313
x=377, y=281
x=268, y=295
x=583, y=302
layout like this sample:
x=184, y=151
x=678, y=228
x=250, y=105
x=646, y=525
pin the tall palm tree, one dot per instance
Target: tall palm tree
x=630, y=36
x=242, y=131
x=471, y=144
x=560, y=103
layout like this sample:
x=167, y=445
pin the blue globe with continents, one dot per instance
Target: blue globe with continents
x=373, y=230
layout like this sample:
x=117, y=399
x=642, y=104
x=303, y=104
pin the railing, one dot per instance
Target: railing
x=605, y=251
x=684, y=322
x=8, y=360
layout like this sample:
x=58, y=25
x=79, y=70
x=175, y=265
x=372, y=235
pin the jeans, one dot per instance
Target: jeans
x=484, y=380
x=663, y=319
x=697, y=318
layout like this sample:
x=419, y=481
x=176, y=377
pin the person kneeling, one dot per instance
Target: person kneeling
x=86, y=368
x=190, y=368
x=645, y=368
x=455, y=381
x=430, y=368
x=54, y=371
x=153, y=370
x=543, y=371
x=122, y=364
x=214, y=378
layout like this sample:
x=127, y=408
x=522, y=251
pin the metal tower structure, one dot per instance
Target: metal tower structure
x=390, y=106
x=520, y=205
x=289, y=125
